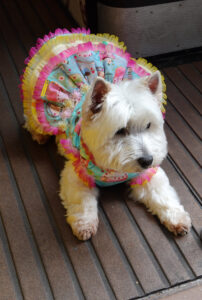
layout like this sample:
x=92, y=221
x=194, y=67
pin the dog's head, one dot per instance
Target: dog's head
x=122, y=124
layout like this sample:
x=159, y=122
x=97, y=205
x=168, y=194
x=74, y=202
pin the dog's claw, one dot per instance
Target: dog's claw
x=181, y=229
x=84, y=231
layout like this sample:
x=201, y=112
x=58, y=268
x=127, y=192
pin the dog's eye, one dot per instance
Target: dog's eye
x=148, y=125
x=123, y=131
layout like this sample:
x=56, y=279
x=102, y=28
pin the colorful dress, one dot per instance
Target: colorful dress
x=59, y=72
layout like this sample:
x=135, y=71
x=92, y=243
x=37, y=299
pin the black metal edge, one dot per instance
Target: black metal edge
x=176, y=58
x=91, y=14
x=134, y=3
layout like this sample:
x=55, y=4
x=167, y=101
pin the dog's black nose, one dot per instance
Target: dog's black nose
x=145, y=161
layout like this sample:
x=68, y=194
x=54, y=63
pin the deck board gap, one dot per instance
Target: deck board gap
x=189, y=114
x=147, y=247
x=9, y=19
x=27, y=224
x=53, y=222
x=187, y=78
x=21, y=15
x=167, y=77
x=48, y=211
x=115, y=241
x=10, y=260
x=38, y=25
x=101, y=271
x=169, y=236
x=121, y=251
x=198, y=66
x=185, y=180
x=61, y=14
x=195, y=67
x=4, y=86
x=9, y=79
x=184, y=120
x=183, y=144
x=37, y=14
x=5, y=46
x=53, y=163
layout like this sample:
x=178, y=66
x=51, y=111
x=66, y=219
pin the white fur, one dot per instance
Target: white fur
x=129, y=104
x=80, y=202
x=162, y=200
x=133, y=105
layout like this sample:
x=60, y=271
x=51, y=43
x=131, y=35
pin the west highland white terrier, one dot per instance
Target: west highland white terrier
x=108, y=122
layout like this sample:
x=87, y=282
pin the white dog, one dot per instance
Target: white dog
x=124, y=132
x=106, y=112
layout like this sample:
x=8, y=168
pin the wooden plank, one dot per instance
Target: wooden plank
x=93, y=275
x=187, y=199
x=15, y=48
x=162, y=248
x=78, y=252
x=115, y=264
x=192, y=74
x=26, y=262
x=9, y=284
x=119, y=278
x=184, y=108
x=134, y=247
x=44, y=14
x=60, y=14
x=115, y=276
x=192, y=208
x=31, y=18
x=184, y=133
x=36, y=207
x=190, y=246
x=21, y=29
x=198, y=65
x=11, y=80
x=111, y=262
x=186, y=88
x=190, y=169
x=169, y=259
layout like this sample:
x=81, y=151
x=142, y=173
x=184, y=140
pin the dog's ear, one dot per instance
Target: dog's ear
x=154, y=83
x=99, y=90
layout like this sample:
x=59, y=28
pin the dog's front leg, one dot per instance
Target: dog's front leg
x=80, y=203
x=162, y=200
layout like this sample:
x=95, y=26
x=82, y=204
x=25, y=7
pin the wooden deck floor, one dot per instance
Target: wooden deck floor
x=132, y=255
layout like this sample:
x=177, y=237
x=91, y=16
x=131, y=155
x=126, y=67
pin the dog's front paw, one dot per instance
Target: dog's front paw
x=180, y=229
x=179, y=222
x=83, y=229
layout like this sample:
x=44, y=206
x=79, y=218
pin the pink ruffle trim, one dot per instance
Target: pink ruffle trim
x=51, y=64
x=39, y=86
x=143, y=177
x=41, y=41
x=69, y=149
x=74, y=155
x=60, y=57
